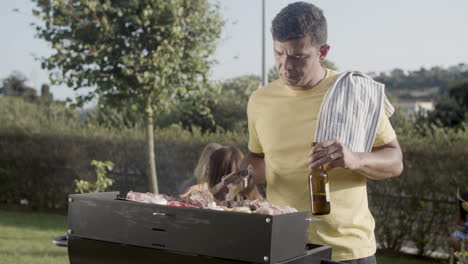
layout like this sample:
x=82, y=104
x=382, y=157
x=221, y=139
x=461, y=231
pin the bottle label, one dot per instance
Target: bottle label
x=327, y=191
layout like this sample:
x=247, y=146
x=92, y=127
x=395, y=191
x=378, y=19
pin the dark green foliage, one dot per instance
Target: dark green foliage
x=447, y=113
x=459, y=92
x=194, y=111
x=225, y=110
x=329, y=65
x=127, y=116
x=273, y=74
x=422, y=84
x=420, y=205
x=46, y=95
x=451, y=109
x=230, y=110
x=15, y=85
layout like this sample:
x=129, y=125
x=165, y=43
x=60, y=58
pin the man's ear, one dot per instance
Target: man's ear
x=324, y=51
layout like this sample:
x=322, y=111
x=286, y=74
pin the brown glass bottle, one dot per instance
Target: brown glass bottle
x=319, y=192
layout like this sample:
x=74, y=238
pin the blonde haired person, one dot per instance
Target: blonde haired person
x=222, y=162
x=200, y=173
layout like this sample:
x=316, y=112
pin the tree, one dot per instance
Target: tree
x=329, y=64
x=459, y=92
x=114, y=117
x=452, y=110
x=230, y=110
x=273, y=74
x=15, y=85
x=225, y=103
x=447, y=113
x=153, y=52
x=46, y=95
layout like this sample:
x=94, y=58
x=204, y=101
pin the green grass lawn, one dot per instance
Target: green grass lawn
x=26, y=237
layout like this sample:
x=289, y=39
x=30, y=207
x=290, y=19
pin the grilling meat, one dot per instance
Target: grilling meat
x=148, y=197
x=252, y=204
x=199, y=196
x=259, y=207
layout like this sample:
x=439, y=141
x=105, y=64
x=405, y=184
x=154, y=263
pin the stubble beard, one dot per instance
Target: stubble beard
x=295, y=81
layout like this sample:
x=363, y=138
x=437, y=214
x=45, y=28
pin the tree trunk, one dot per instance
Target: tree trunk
x=153, y=179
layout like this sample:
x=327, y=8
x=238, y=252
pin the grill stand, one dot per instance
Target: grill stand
x=89, y=251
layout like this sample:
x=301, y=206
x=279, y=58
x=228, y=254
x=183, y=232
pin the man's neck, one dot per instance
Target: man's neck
x=314, y=81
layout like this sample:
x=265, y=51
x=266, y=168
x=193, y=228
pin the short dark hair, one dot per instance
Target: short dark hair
x=298, y=20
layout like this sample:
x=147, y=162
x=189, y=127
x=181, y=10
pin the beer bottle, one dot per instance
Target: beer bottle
x=319, y=192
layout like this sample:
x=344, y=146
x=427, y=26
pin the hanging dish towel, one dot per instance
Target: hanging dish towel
x=350, y=111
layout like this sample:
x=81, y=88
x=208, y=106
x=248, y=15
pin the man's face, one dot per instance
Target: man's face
x=298, y=60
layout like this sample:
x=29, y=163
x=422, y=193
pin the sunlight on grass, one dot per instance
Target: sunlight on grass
x=27, y=238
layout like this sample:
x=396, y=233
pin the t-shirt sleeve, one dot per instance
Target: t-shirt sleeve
x=385, y=133
x=254, y=143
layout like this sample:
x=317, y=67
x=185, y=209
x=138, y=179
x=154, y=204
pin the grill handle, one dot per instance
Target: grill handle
x=313, y=219
x=159, y=214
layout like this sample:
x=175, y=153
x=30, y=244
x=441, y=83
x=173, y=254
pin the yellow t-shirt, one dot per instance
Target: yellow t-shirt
x=282, y=124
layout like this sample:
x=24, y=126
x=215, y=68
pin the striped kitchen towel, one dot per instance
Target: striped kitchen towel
x=350, y=111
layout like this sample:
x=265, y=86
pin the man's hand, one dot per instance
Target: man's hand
x=382, y=162
x=246, y=178
x=332, y=153
x=255, y=164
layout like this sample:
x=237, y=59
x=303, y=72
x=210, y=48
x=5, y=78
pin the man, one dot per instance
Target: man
x=282, y=120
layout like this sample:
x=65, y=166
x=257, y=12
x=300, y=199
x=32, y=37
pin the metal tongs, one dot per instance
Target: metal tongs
x=241, y=177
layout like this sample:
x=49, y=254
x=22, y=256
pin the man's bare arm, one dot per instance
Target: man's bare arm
x=381, y=163
x=257, y=164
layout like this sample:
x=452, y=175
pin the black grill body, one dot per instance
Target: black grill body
x=103, y=227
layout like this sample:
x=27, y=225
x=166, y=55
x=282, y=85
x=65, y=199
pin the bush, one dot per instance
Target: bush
x=102, y=182
x=419, y=206
x=47, y=147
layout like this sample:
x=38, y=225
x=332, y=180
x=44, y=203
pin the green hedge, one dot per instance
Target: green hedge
x=418, y=208
x=41, y=168
x=43, y=148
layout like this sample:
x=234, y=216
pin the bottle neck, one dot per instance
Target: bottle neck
x=320, y=169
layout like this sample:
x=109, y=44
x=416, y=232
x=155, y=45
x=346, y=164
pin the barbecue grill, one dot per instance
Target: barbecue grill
x=104, y=228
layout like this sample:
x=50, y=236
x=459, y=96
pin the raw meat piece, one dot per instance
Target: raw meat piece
x=147, y=197
x=179, y=204
x=200, y=198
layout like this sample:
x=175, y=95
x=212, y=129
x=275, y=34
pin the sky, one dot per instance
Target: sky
x=365, y=35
